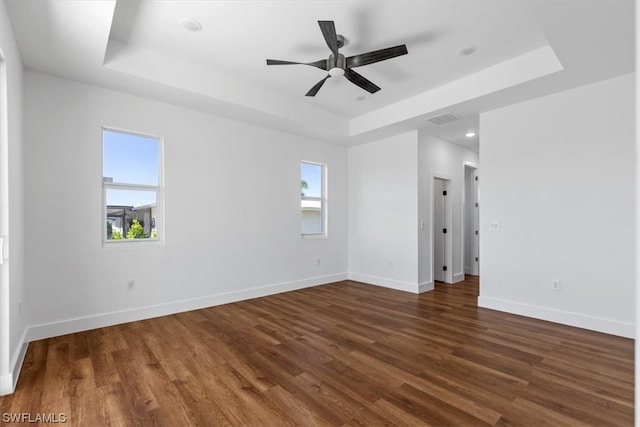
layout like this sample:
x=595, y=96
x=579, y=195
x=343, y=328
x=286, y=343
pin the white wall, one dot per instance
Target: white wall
x=12, y=281
x=441, y=159
x=558, y=174
x=637, y=237
x=224, y=170
x=383, y=212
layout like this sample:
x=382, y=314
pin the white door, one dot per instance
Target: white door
x=439, y=229
x=476, y=225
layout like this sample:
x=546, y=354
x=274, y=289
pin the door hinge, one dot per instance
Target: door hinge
x=476, y=259
x=476, y=232
x=476, y=205
x=444, y=268
x=444, y=230
x=444, y=193
x=476, y=178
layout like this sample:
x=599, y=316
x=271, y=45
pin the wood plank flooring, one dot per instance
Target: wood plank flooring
x=338, y=354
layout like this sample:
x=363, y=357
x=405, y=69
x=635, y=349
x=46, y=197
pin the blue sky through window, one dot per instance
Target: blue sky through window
x=312, y=174
x=130, y=159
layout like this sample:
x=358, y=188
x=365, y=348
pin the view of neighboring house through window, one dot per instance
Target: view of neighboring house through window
x=313, y=198
x=131, y=185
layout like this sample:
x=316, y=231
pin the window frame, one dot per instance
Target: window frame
x=158, y=189
x=322, y=199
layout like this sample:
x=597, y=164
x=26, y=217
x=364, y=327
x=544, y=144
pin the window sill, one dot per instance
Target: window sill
x=131, y=243
x=314, y=236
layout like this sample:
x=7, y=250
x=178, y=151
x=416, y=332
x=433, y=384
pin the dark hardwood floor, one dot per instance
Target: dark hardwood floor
x=338, y=354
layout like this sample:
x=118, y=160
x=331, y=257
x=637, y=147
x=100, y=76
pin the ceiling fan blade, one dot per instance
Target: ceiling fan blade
x=376, y=56
x=279, y=62
x=359, y=80
x=316, y=87
x=322, y=64
x=328, y=29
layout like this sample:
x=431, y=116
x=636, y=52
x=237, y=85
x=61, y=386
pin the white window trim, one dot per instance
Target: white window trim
x=159, y=221
x=323, y=203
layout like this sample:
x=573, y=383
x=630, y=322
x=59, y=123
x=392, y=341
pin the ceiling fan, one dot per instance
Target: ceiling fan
x=338, y=65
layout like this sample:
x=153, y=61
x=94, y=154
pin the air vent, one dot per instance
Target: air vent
x=443, y=118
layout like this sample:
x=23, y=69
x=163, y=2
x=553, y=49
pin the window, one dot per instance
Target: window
x=313, y=200
x=131, y=177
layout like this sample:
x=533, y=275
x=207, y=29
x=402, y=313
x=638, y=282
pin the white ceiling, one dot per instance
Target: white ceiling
x=524, y=49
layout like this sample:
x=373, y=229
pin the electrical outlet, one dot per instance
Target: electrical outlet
x=131, y=284
x=555, y=285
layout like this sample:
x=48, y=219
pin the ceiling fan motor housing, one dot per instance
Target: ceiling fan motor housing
x=334, y=62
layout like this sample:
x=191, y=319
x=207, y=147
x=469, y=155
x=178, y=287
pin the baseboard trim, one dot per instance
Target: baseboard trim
x=425, y=287
x=459, y=277
x=6, y=384
x=69, y=326
x=386, y=283
x=598, y=324
x=9, y=381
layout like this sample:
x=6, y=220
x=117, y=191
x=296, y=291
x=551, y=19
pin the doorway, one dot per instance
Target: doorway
x=440, y=232
x=471, y=220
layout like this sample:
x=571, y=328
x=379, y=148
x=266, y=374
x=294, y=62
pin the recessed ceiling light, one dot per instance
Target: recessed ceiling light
x=470, y=134
x=467, y=50
x=191, y=24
